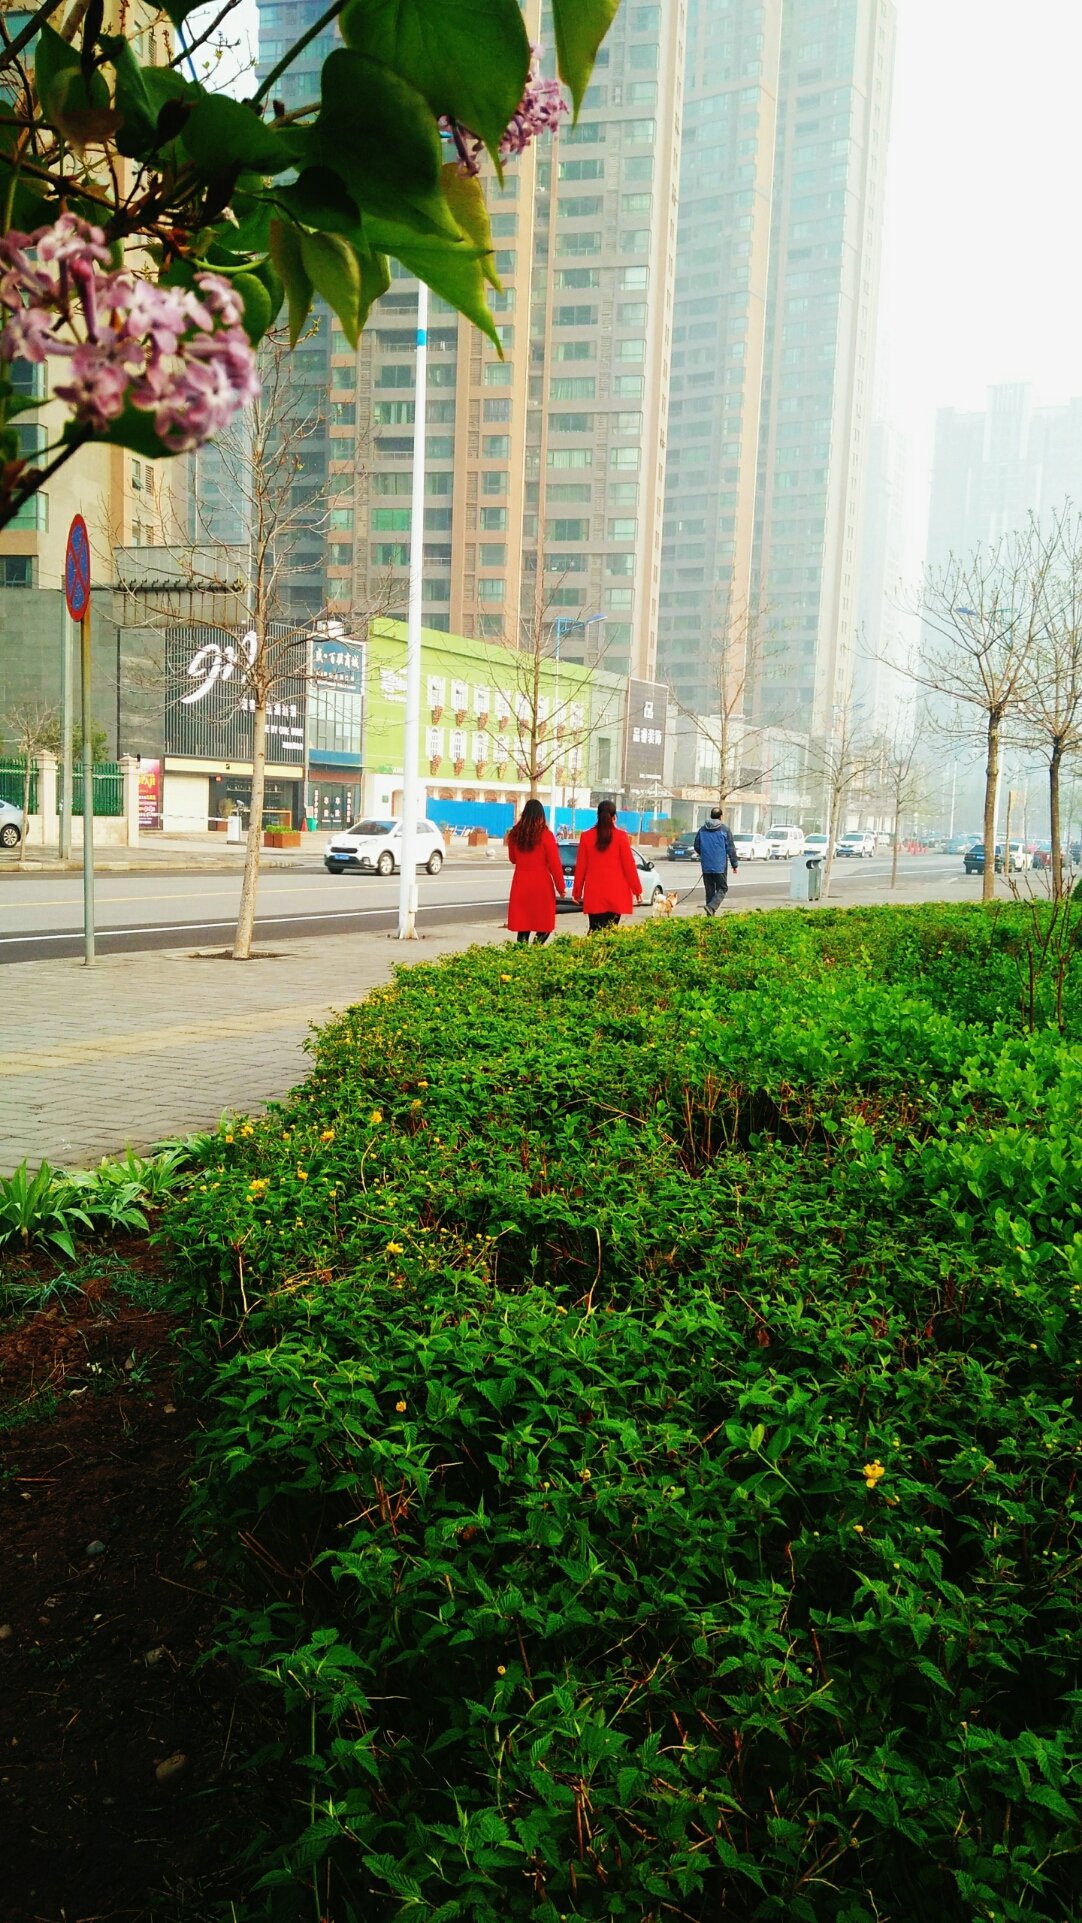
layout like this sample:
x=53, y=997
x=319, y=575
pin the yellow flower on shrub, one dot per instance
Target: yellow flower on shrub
x=259, y=1186
x=401, y=1408
x=327, y=1135
x=247, y=1129
x=873, y=1473
x=302, y=1175
x=376, y=1116
x=394, y=1248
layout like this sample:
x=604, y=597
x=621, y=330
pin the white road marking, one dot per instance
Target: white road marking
x=191, y=927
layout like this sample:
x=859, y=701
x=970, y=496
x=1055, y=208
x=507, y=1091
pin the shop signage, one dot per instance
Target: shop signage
x=150, y=794
x=644, y=751
x=209, y=701
x=338, y=664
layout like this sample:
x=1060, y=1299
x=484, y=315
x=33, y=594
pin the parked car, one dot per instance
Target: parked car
x=1020, y=857
x=860, y=843
x=751, y=847
x=816, y=845
x=784, y=842
x=974, y=861
x=375, y=847
x=682, y=847
x=652, y=885
x=960, y=844
x=11, y=825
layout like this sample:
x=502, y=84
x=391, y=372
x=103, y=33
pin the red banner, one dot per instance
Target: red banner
x=150, y=794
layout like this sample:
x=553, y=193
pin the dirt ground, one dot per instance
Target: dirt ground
x=123, y=1787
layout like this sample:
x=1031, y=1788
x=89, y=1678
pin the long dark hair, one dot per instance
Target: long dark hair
x=606, y=822
x=528, y=829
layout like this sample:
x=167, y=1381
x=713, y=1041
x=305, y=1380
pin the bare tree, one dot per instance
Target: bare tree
x=1050, y=683
x=736, y=668
x=902, y=777
x=31, y=729
x=983, y=618
x=544, y=711
x=843, y=761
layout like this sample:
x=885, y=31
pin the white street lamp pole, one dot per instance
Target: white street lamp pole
x=407, y=890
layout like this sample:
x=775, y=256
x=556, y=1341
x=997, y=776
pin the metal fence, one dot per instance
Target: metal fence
x=108, y=783
x=12, y=777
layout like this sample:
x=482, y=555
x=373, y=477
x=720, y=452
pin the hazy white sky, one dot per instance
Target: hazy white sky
x=982, y=279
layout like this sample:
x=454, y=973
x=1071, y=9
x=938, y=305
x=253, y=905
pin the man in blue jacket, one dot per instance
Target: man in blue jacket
x=717, y=852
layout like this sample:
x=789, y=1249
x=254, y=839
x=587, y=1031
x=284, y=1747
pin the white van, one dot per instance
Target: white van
x=785, y=842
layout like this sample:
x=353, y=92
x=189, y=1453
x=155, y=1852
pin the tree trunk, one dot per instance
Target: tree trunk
x=26, y=812
x=828, y=859
x=894, y=845
x=991, y=775
x=1054, y=820
x=242, y=940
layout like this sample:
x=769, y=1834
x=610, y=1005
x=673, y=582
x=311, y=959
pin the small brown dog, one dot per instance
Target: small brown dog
x=666, y=903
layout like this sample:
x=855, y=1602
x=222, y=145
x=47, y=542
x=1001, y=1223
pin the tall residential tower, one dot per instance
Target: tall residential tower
x=786, y=111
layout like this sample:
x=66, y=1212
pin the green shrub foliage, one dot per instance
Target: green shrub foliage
x=643, y=1421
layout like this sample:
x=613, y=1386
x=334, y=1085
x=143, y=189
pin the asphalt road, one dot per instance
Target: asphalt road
x=41, y=914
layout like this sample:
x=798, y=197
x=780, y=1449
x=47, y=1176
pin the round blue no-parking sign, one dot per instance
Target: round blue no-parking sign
x=77, y=569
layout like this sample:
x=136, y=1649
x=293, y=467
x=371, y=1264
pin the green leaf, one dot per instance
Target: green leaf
x=317, y=198
x=375, y=280
x=53, y=57
x=581, y=26
x=285, y=252
x=469, y=58
x=453, y=272
x=334, y=271
x=378, y=134
x=138, y=131
x=221, y=134
x=134, y=430
x=466, y=199
x=258, y=307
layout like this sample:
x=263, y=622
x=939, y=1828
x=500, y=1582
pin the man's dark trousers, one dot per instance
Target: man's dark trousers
x=715, y=888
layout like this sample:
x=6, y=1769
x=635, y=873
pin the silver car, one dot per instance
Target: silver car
x=11, y=825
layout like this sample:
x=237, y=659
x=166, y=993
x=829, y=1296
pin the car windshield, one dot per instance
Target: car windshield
x=815, y=838
x=372, y=828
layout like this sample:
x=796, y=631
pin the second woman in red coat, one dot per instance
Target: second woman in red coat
x=606, y=877
x=538, y=876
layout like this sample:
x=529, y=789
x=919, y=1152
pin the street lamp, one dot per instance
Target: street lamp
x=563, y=624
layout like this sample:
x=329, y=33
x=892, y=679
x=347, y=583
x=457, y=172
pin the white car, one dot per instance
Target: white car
x=816, y=845
x=784, y=842
x=858, y=843
x=751, y=847
x=375, y=847
x=11, y=825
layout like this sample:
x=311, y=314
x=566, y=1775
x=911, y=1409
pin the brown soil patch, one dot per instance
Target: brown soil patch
x=106, y=1606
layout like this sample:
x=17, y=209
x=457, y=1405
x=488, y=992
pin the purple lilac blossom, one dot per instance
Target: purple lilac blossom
x=538, y=112
x=179, y=354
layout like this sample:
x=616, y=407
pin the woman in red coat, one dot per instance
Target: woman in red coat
x=606, y=877
x=538, y=876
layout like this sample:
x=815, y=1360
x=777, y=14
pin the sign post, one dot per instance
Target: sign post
x=77, y=596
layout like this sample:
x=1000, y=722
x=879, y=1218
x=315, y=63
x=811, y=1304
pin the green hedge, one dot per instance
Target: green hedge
x=645, y=1376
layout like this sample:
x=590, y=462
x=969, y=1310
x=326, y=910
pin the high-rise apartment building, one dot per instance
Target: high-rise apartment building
x=786, y=110
x=994, y=467
x=554, y=451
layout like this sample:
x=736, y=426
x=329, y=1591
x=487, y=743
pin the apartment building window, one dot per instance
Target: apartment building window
x=343, y=414
x=16, y=570
x=629, y=423
x=630, y=350
x=620, y=564
x=628, y=387
x=492, y=588
x=567, y=277
x=646, y=19
x=582, y=389
x=493, y=554
x=624, y=493
x=504, y=226
x=566, y=563
x=496, y=447
x=642, y=93
x=440, y=447
x=442, y=373
x=393, y=413
x=571, y=457
x=635, y=240
x=439, y=481
x=390, y=554
x=620, y=598
x=493, y=520
x=640, y=133
x=437, y=520
x=384, y=484
x=633, y=280
x=574, y=351
x=499, y=374
x=571, y=423
x=494, y=483
x=397, y=374
x=33, y=516
x=631, y=313
x=497, y=410
x=565, y=530
x=578, y=243
x=578, y=206
x=626, y=457
x=574, y=316
x=391, y=520
x=340, y=554
x=622, y=529
x=439, y=414
x=341, y=518
x=567, y=493
x=588, y=133
x=582, y=169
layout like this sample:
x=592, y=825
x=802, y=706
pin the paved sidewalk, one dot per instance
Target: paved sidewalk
x=140, y=1047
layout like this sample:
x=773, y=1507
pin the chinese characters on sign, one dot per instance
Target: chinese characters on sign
x=644, y=760
x=150, y=794
x=208, y=700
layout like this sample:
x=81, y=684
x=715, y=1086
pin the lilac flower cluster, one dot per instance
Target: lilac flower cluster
x=178, y=354
x=538, y=112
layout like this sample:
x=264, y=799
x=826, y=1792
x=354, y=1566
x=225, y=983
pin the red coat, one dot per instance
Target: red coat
x=606, y=878
x=537, y=880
